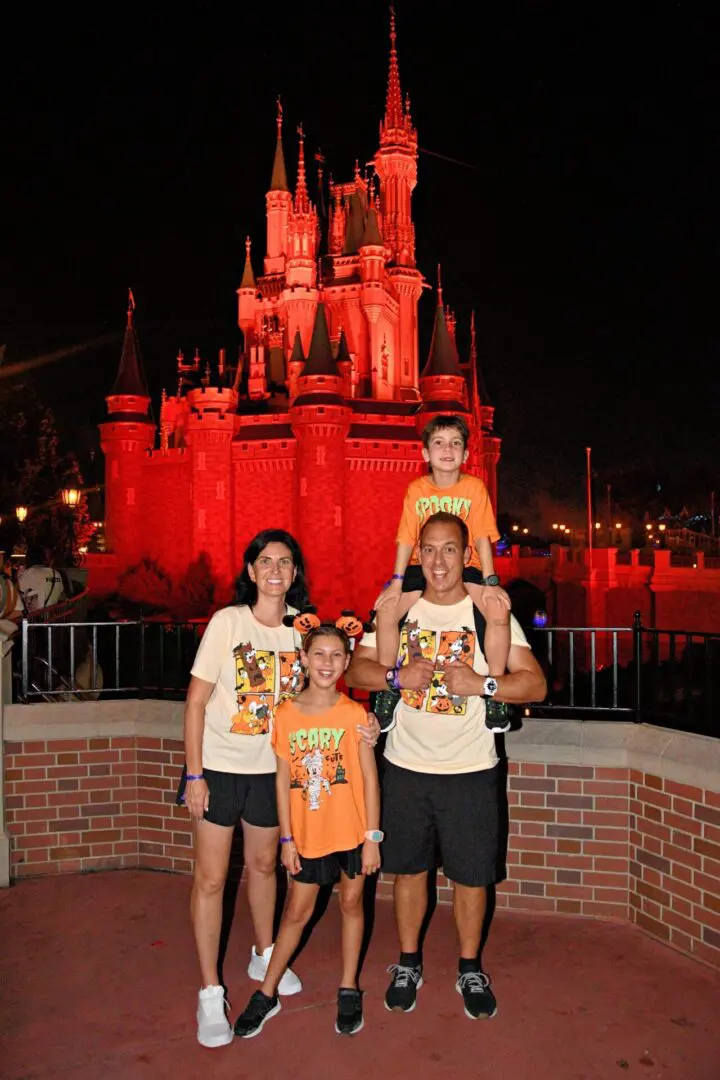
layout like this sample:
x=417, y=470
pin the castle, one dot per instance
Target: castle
x=315, y=428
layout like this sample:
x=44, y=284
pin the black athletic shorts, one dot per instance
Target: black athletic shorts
x=414, y=580
x=235, y=797
x=326, y=869
x=457, y=814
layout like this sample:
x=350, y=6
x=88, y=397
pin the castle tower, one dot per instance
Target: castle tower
x=442, y=384
x=247, y=294
x=125, y=437
x=320, y=421
x=278, y=204
x=303, y=230
x=484, y=445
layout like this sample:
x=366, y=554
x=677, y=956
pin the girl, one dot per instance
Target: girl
x=328, y=802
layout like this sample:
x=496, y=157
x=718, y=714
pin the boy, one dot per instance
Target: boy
x=445, y=449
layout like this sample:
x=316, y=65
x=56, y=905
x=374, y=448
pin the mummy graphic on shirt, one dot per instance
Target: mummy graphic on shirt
x=259, y=688
x=444, y=648
x=316, y=763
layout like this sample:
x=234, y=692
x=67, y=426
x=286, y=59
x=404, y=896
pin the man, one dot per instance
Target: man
x=441, y=768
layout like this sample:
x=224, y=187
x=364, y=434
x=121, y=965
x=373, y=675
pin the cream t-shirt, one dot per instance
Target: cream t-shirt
x=253, y=668
x=436, y=732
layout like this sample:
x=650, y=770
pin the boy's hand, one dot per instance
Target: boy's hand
x=461, y=680
x=417, y=675
x=494, y=595
x=290, y=858
x=391, y=593
x=370, y=857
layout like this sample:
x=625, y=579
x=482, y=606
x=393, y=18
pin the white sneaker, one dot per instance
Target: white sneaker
x=257, y=970
x=213, y=1027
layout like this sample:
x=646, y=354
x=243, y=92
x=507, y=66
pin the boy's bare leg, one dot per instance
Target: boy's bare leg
x=497, y=618
x=353, y=924
x=388, y=632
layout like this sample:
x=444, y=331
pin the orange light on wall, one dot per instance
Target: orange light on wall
x=71, y=497
x=649, y=528
x=618, y=524
x=21, y=512
x=662, y=528
x=597, y=524
x=525, y=532
x=555, y=525
x=515, y=528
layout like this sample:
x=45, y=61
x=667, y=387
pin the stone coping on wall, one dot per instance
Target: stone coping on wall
x=673, y=755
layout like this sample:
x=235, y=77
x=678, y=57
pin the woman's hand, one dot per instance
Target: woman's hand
x=370, y=857
x=370, y=732
x=290, y=858
x=196, y=798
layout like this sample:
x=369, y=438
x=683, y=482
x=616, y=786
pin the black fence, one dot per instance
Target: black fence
x=667, y=677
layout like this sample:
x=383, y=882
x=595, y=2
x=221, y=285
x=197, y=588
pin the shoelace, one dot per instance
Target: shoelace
x=474, y=981
x=402, y=975
x=210, y=1004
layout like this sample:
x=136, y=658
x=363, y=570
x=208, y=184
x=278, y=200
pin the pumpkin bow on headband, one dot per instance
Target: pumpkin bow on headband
x=307, y=620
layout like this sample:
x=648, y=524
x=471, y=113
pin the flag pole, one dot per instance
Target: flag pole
x=588, y=451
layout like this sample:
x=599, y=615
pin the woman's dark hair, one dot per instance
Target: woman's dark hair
x=246, y=590
x=327, y=630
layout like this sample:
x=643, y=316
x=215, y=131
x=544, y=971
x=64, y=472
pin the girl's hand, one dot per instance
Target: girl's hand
x=370, y=857
x=196, y=798
x=370, y=732
x=290, y=858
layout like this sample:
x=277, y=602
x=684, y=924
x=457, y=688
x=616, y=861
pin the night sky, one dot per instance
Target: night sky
x=581, y=221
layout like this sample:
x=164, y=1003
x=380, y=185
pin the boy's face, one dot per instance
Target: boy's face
x=446, y=451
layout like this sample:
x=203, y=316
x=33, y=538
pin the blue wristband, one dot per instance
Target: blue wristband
x=189, y=776
x=394, y=577
x=286, y=840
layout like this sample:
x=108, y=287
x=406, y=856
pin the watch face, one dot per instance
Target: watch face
x=375, y=835
x=491, y=686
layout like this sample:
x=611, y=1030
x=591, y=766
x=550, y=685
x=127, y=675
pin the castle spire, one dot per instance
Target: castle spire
x=248, y=278
x=443, y=357
x=394, y=115
x=279, y=175
x=320, y=359
x=130, y=378
x=302, y=202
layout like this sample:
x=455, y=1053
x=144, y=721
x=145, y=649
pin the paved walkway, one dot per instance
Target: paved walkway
x=99, y=980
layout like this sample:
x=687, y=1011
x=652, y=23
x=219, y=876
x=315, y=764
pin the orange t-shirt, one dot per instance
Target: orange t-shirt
x=467, y=499
x=327, y=794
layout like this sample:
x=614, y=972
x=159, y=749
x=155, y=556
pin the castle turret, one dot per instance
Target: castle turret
x=320, y=420
x=296, y=363
x=125, y=437
x=442, y=384
x=303, y=231
x=247, y=296
x=278, y=204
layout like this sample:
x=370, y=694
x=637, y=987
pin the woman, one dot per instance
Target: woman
x=247, y=660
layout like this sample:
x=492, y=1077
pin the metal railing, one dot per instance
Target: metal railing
x=669, y=677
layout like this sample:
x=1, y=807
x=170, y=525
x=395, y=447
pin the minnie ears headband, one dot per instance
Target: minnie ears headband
x=349, y=623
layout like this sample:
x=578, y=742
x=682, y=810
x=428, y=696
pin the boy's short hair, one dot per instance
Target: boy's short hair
x=446, y=420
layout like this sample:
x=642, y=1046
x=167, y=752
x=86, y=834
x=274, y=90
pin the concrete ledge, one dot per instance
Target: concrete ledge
x=94, y=719
x=673, y=755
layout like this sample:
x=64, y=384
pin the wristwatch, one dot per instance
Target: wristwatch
x=391, y=678
x=490, y=686
x=376, y=835
x=491, y=579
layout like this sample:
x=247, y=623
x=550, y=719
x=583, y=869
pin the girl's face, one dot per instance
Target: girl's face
x=325, y=660
x=273, y=571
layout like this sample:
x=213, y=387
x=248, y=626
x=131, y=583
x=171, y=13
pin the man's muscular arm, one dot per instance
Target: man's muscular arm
x=525, y=681
x=367, y=673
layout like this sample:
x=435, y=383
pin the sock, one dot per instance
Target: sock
x=466, y=966
x=410, y=959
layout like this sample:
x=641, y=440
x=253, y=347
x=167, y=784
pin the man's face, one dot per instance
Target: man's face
x=443, y=557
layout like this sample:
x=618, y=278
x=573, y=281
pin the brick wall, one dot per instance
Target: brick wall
x=586, y=839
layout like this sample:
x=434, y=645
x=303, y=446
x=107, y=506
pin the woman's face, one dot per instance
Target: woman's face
x=273, y=571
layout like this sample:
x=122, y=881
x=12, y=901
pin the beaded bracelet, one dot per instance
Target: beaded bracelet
x=199, y=776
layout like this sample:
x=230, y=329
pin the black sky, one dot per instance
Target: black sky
x=137, y=149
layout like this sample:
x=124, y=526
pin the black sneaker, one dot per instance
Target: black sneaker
x=401, y=994
x=349, y=1014
x=480, y=1003
x=384, y=708
x=260, y=1008
x=498, y=716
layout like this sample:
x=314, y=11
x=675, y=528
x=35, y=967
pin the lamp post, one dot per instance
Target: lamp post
x=21, y=513
x=71, y=497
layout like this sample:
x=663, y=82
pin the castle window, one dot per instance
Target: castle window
x=320, y=455
x=220, y=489
x=201, y=461
x=130, y=496
x=263, y=446
x=201, y=519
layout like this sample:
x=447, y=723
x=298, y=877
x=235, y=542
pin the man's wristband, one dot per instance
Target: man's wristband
x=286, y=840
x=196, y=776
x=394, y=577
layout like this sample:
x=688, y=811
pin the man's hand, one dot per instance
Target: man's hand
x=462, y=681
x=417, y=675
x=370, y=732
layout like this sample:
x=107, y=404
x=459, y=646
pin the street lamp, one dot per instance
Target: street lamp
x=71, y=497
x=21, y=513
